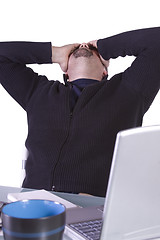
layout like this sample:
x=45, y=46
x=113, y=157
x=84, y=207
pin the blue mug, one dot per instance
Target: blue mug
x=33, y=219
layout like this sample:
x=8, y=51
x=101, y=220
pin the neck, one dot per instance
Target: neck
x=84, y=71
x=84, y=68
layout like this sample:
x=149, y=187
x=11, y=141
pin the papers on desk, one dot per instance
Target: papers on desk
x=39, y=194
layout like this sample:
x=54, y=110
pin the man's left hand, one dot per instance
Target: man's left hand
x=60, y=55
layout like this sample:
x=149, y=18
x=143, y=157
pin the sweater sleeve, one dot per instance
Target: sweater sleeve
x=144, y=74
x=19, y=80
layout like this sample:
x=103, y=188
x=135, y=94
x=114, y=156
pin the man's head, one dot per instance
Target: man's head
x=85, y=62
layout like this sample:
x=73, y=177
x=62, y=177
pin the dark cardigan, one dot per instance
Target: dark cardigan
x=72, y=151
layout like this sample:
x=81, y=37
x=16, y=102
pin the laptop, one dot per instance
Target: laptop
x=132, y=204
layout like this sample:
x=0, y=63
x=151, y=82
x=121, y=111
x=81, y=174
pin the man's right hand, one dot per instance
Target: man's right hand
x=60, y=55
x=94, y=44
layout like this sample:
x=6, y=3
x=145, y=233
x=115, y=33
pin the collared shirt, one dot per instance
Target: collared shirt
x=77, y=88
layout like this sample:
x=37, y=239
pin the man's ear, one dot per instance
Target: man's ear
x=66, y=75
x=105, y=72
x=106, y=65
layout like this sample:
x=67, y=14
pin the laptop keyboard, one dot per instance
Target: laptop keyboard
x=90, y=229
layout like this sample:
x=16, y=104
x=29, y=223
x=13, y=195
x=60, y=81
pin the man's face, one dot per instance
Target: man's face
x=83, y=57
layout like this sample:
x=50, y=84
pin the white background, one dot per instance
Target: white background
x=62, y=22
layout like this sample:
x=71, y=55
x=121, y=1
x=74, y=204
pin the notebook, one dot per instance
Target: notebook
x=132, y=203
x=39, y=194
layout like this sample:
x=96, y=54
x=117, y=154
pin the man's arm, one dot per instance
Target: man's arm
x=144, y=74
x=25, y=52
x=19, y=80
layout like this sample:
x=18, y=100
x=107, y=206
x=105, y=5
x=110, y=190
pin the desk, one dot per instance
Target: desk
x=80, y=200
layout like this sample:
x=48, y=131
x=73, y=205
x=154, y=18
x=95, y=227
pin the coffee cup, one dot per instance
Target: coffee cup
x=33, y=219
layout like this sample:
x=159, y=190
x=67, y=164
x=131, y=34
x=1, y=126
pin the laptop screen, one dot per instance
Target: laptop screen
x=132, y=206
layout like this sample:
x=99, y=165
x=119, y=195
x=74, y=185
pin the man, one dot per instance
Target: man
x=72, y=127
